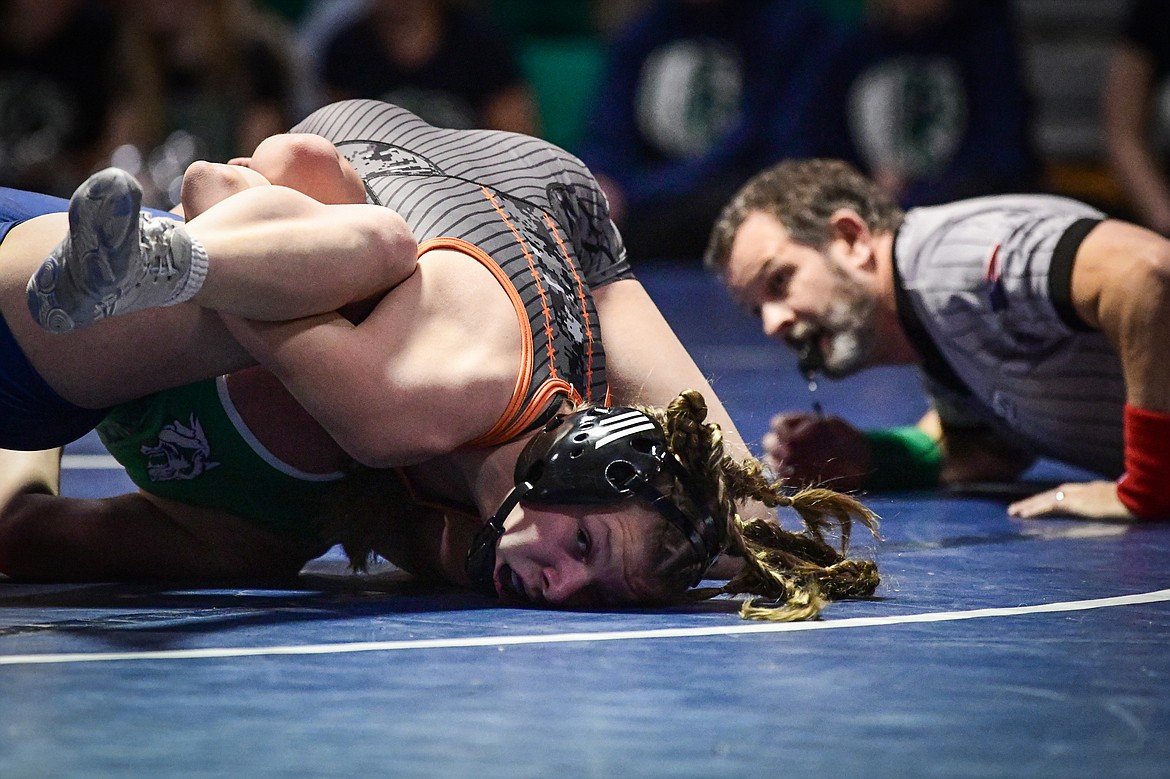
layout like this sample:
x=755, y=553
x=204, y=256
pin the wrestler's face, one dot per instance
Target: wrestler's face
x=577, y=556
x=803, y=295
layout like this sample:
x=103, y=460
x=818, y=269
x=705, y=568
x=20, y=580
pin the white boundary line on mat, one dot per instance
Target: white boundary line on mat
x=1157, y=596
x=89, y=462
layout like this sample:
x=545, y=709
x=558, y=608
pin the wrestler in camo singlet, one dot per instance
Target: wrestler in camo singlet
x=525, y=209
x=529, y=211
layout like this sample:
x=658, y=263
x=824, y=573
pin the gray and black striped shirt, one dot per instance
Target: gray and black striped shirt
x=985, y=293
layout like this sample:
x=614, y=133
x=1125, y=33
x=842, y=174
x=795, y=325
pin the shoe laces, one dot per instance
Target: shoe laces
x=156, y=246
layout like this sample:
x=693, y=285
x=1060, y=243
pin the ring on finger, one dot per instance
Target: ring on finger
x=1059, y=495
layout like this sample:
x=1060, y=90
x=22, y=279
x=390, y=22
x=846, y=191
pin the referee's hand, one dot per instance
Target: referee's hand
x=1089, y=500
x=807, y=449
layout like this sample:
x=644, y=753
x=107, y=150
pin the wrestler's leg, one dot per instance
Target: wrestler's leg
x=288, y=256
x=44, y=537
x=207, y=183
x=267, y=253
x=307, y=163
x=119, y=358
x=310, y=164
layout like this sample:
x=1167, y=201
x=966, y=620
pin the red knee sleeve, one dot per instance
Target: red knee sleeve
x=1144, y=488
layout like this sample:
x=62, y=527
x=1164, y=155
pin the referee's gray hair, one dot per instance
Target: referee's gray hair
x=803, y=195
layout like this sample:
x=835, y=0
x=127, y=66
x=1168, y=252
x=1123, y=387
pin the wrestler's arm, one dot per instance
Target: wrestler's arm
x=306, y=245
x=276, y=254
x=973, y=454
x=432, y=367
x=47, y=537
x=647, y=364
x=644, y=360
x=1121, y=286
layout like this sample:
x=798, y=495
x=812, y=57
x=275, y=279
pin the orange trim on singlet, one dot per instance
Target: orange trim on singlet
x=584, y=306
x=524, y=377
x=502, y=432
x=515, y=417
x=548, y=330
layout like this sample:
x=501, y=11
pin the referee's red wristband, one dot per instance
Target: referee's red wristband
x=1144, y=488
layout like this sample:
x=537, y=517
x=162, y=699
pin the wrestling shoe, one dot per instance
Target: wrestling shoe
x=115, y=259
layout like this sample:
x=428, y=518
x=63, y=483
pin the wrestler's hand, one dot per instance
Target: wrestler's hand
x=1087, y=500
x=809, y=449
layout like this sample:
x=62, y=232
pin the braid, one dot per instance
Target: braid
x=797, y=573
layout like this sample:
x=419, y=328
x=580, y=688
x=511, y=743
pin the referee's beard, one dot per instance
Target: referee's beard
x=848, y=329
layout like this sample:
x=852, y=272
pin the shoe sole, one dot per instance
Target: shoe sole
x=78, y=283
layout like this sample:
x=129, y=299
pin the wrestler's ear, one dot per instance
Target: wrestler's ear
x=854, y=237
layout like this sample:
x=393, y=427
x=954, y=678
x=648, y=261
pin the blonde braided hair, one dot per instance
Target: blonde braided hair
x=797, y=573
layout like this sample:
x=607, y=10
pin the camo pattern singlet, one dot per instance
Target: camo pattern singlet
x=528, y=211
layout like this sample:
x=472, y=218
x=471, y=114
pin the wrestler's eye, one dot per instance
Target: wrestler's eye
x=584, y=543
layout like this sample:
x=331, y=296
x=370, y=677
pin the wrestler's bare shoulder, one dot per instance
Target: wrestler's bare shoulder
x=455, y=341
x=461, y=311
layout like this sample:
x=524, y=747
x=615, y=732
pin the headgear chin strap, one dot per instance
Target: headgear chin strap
x=593, y=457
x=481, y=559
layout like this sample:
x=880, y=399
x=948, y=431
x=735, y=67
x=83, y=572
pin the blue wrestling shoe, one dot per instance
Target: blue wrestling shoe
x=115, y=259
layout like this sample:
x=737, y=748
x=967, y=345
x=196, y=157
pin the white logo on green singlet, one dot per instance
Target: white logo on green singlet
x=182, y=452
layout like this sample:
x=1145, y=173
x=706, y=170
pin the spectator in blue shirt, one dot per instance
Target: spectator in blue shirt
x=698, y=95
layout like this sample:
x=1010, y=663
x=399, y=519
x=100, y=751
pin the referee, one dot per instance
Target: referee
x=1038, y=323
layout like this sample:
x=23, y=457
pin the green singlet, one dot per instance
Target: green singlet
x=189, y=445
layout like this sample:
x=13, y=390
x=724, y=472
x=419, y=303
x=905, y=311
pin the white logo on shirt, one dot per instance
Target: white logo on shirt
x=182, y=452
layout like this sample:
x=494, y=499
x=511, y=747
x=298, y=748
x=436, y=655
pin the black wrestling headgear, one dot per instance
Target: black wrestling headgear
x=596, y=456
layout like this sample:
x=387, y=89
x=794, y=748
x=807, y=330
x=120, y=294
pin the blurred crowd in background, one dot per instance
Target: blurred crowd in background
x=672, y=103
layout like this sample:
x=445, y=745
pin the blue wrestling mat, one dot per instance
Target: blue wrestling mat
x=994, y=648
